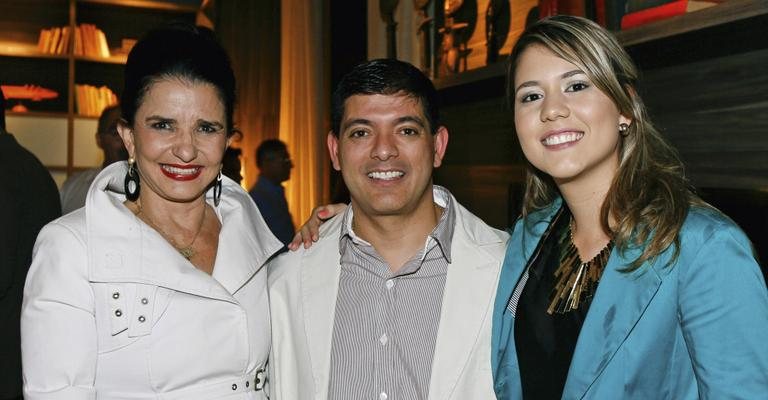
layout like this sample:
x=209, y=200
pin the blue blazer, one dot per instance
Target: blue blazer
x=694, y=329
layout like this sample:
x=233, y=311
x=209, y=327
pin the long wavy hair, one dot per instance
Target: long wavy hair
x=649, y=197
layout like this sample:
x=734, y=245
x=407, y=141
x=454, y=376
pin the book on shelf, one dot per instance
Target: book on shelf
x=83, y=40
x=637, y=5
x=54, y=40
x=562, y=7
x=664, y=11
x=91, y=100
x=613, y=10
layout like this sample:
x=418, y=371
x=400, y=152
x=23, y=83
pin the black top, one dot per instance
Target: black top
x=28, y=200
x=545, y=343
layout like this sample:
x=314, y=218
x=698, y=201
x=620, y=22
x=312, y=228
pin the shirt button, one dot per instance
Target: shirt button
x=234, y=386
x=383, y=339
x=116, y=295
x=144, y=301
x=118, y=313
x=383, y=396
x=390, y=283
x=142, y=318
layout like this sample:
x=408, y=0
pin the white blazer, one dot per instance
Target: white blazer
x=112, y=311
x=303, y=286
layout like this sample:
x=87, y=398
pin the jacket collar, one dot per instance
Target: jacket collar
x=124, y=249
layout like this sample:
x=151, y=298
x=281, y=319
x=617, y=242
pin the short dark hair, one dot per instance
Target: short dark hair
x=105, y=120
x=386, y=76
x=269, y=148
x=178, y=50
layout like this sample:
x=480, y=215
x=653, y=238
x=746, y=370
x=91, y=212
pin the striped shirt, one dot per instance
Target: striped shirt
x=386, y=323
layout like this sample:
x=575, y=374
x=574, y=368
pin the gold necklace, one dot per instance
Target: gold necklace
x=186, y=251
x=576, y=280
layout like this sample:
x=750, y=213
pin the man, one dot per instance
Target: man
x=230, y=164
x=394, y=300
x=75, y=189
x=29, y=199
x=275, y=166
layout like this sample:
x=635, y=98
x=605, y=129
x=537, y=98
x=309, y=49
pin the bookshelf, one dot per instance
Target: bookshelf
x=53, y=129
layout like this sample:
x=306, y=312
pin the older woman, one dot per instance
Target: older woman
x=619, y=282
x=156, y=288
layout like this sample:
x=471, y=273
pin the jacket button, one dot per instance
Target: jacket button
x=144, y=301
x=234, y=386
x=116, y=295
x=118, y=313
x=141, y=318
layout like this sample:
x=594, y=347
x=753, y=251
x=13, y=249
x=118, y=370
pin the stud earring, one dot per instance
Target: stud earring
x=623, y=129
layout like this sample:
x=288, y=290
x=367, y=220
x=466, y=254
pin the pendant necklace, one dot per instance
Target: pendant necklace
x=187, y=251
x=576, y=280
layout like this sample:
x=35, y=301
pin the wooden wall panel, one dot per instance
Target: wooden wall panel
x=716, y=113
x=492, y=192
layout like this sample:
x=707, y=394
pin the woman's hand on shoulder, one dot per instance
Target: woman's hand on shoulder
x=310, y=231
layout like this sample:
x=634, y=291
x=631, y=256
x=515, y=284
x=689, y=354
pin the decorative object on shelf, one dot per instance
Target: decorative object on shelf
x=387, y=13
x=27, y=92
x=453, y=48
x=424, y=31
x=497, y=21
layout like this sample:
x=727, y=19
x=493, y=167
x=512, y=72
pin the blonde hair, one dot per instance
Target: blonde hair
x=649, y=197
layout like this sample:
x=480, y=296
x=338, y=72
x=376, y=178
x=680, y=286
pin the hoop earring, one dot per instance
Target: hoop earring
x=217, y=190
x=132, y=183
x=624, y=129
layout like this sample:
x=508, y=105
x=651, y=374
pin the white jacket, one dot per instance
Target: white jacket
x=112, y=311
x=303, y=287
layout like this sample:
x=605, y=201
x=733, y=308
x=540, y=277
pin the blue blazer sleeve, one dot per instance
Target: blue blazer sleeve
x=723, y=311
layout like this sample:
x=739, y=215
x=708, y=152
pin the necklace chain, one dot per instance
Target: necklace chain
x=187, y=251
x=576, y=280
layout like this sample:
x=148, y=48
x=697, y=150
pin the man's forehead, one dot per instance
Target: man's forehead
x=359, y=105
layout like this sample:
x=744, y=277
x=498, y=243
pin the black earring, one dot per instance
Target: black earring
x=132, y=183
x=217, y=190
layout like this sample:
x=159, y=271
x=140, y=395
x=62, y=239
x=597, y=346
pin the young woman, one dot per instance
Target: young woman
x=156, y=288
x=619, y=282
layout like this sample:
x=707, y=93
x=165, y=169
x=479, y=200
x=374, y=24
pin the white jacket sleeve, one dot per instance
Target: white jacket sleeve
x=58, y=328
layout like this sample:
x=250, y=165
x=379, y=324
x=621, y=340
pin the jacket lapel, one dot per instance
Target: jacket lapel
x=470, y=288
x=606, y=328
x=320, y=270
x=243, y=249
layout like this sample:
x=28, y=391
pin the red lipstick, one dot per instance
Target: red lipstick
x=181, y=172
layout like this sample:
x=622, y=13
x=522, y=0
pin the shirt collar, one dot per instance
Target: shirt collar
x=441, y=235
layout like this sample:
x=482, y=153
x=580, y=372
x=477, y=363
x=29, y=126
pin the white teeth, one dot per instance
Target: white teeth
x=180, y=171
x=385, y=175
x=563, y=138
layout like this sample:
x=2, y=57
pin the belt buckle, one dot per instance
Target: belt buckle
x=260, y=380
